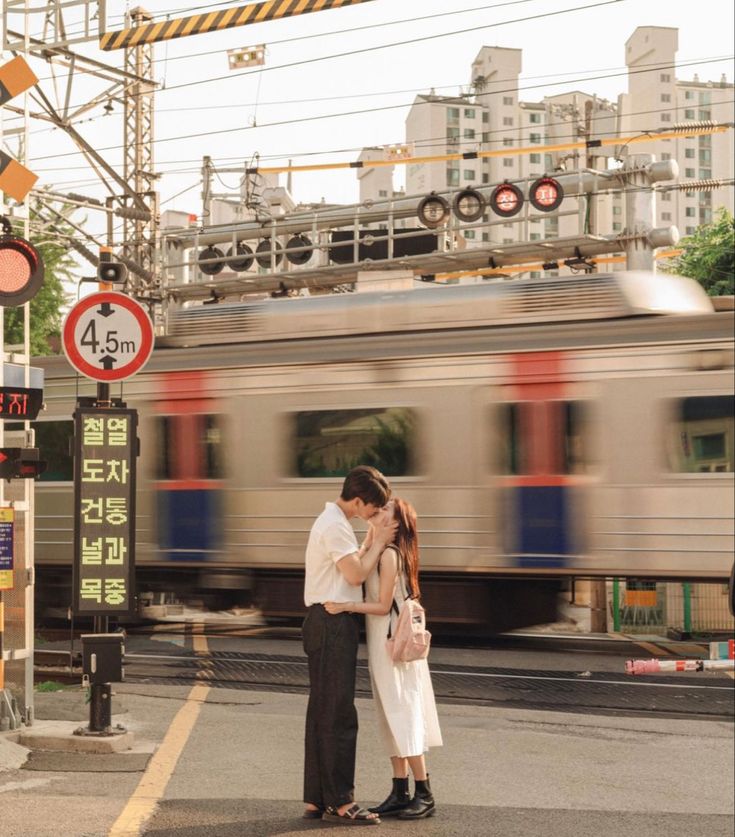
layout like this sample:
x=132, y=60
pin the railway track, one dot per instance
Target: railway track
x=567, y=691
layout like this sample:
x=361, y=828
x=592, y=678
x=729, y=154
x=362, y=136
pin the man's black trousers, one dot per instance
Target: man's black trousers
x=331, y=644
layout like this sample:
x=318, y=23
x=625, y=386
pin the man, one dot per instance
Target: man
x=335, y=570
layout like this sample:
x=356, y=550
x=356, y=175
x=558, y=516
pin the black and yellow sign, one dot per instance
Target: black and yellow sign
x=167, y=30
x=105, y=450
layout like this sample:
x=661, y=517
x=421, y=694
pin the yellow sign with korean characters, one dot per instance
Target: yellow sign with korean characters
x=7, y=523
x=105, y=451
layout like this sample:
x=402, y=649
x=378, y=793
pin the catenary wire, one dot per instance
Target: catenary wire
x=166, y=16
x=364, y=111
x=574, y=78
x=418, y=143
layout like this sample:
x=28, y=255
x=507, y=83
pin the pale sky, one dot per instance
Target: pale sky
x=565, y=47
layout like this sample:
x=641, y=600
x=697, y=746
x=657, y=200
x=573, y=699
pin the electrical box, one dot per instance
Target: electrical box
x=102, y=656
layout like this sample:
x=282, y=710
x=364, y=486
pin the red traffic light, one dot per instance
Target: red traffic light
x=21, y=464
x=546, y=194
x=506, y=200
x=21, y=270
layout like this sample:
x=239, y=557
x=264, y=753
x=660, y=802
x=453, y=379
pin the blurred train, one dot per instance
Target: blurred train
x=544, y=430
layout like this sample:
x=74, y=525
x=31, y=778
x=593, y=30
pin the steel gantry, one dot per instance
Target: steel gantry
x=140, y=225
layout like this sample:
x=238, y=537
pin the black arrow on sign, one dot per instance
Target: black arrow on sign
x=105, y=309
x=108, y=361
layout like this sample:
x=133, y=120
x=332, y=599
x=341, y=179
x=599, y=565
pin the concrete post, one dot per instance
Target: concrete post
x=639, y=212
x=639, y=173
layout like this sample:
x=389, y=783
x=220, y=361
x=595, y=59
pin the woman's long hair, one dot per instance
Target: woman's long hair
x=407, y=541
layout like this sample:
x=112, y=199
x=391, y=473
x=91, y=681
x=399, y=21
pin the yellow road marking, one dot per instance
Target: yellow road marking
x=656, y=650
x=198, y=639
x=153, y=782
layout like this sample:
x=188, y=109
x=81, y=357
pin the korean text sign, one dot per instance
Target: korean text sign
x=105, y=450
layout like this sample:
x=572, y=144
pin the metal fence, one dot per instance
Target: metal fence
x=658, y=607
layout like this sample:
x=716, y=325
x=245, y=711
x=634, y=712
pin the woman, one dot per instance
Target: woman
x=403, y=694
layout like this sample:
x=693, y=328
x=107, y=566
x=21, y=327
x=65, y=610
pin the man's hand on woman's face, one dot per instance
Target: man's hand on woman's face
x=383, y=526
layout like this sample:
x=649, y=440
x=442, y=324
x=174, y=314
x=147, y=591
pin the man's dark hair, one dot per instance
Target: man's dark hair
x=368, y=484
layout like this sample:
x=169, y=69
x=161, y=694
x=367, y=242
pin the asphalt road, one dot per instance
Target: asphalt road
x=502, y=771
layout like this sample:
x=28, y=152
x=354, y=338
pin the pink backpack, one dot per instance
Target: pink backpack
x=410, y=640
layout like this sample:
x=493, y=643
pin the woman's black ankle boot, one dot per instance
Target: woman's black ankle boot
x=422, y=805
x=396, y=802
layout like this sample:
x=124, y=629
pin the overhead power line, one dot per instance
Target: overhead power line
x=210, y=132
x=697, y=129
x=394, y=44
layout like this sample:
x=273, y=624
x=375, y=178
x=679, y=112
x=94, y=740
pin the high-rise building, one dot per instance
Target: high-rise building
x=488, y=115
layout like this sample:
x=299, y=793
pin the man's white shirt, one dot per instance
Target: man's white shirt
x=331, y=538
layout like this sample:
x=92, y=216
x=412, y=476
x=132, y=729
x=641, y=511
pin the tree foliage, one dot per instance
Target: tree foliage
x=47, y=305
x=709, y=256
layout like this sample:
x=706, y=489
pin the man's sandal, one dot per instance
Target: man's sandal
x=355, y=815
x=313, y=813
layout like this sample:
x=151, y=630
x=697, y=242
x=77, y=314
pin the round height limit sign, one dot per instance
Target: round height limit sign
x=108, y=336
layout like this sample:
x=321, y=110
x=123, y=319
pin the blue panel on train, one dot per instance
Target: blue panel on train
x=543, y=536
x=189, y=523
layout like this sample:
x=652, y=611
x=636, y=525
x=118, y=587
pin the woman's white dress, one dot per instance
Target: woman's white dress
x=403, y=694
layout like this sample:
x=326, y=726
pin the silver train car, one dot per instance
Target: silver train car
x=545, y=430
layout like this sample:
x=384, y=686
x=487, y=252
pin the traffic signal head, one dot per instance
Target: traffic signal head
x=21, y=463
x=21, y=271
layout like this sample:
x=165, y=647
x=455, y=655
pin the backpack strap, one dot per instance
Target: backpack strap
x=394, y=606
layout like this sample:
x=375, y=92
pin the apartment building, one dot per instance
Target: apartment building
x=489, y=115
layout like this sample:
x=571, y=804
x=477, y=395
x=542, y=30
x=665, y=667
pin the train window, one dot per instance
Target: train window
x=702, y=436
x=328, y=443
x=53, y=439
x=188, y=447
x=543, y=437
x=511, y=436
x=164, y=448
x=575, y=456
x=211, y=438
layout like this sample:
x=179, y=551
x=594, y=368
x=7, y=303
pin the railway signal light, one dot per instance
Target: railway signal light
x=245, y=262
x=546, y=194
x=263, y=253
x=15, y=77
x=469, y=205
x=506, y=200
x=20, y=463
x=304, y=255
x=21, y=268
x=212, y=268
x=433, y=211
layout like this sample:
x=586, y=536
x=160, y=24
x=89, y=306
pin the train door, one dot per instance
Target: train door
x=544, y=430
x=188, y=479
